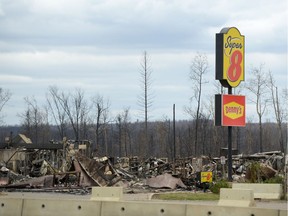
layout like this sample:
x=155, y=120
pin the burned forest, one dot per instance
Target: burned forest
x=121, y=156
x=128, y=139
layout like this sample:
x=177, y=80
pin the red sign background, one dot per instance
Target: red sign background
x=233, y=110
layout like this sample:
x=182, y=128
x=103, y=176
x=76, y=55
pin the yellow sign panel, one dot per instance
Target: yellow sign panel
x=233, y=110
x=233, y=57
x=206, y=177
x=230, y=57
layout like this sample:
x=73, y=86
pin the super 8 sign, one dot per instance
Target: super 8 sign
x=206, y=177
x=230, y=57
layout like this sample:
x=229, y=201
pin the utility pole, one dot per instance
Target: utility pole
x=174, y=134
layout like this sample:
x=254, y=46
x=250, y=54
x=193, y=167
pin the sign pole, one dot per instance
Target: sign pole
x=230, y=153
x=230, y=146
x=230, y=109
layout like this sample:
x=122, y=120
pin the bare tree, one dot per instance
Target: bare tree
x=100, y=108
x=164, y=139
x=199, y=67
x=124, y=136
x=5, y=96
x=238, y=91
x=146, y=96
x=278, y=107
x=285, y=101
x=33, y=112
x=35, y=123
x=218, y=132
x=57, y=111
x=126, y=131
x=119, y=127
x=76, y=109
x=257, y=85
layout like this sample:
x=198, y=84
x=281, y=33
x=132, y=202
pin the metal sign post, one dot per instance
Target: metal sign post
x=230, y=109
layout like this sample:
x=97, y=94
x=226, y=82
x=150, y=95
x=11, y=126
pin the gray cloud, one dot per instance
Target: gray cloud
x=97, y=45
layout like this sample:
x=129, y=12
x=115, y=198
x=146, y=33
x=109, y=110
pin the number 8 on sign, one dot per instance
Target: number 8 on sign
x=234, y=70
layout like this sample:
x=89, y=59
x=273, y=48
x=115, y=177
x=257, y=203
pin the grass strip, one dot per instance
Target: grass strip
x=186, y=196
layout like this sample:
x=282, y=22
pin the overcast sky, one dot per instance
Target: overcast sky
x=97, y=45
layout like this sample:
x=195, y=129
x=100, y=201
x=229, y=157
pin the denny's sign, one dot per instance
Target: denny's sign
x=229, y=110
x=230, y=57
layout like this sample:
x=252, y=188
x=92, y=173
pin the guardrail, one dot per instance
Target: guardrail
x=261, y=191
x=72, y=207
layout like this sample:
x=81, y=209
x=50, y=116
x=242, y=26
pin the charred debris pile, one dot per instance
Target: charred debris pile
x=66, y=168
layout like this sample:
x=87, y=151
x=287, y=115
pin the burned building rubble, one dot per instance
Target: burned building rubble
x=66, y=166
